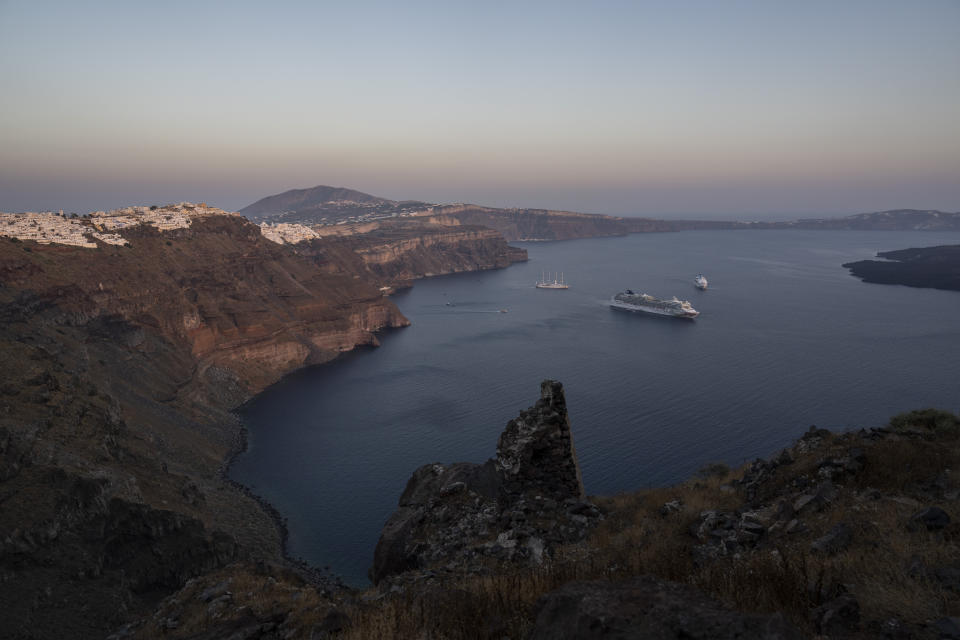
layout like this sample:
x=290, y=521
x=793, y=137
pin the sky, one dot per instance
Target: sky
x=673, y=109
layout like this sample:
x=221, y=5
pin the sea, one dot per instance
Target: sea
x=786, y=339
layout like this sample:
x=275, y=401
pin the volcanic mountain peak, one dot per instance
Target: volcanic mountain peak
x=321, y=202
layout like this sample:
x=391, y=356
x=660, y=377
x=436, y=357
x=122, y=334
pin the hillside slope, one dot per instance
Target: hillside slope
x=121, y=366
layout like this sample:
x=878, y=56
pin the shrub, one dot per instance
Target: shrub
x=941, y=423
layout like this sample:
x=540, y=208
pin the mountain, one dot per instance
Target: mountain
x=325, y=204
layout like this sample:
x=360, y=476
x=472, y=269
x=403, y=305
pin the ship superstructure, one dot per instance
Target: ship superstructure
x=557, y=283
x=631, y=301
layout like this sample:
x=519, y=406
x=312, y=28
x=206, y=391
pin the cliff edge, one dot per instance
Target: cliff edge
x=516, y=507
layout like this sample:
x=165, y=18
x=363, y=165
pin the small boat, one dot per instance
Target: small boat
x=556, y=283
x=700, y=282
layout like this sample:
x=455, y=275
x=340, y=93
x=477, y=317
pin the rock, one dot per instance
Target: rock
x=835, y=540
x=215, y=591
x=452, y=488
x=948, y=577
x=648, y=608
x=674, y=506
x=948, y=628
x=333, y=623
x=795, y=526
x=932, y=518
x=801, y=502
x=514, y=507
x=838, y=617
x=535, y=452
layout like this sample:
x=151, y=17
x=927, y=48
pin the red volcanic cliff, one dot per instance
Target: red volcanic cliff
x=219, y=288
x=398, y=251
x=120, y=367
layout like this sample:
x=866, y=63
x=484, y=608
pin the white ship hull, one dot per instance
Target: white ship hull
x=556, y=283
x=683, y=311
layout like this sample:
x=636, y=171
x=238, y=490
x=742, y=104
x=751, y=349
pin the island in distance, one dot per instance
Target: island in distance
x=927, y=267
x=329, y=206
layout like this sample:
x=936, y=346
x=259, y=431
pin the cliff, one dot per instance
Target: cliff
x=929, y=267
x=398, y=252
x=517, y=507
x=543, y=224
x=122, y=363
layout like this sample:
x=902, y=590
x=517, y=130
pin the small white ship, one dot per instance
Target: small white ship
x=630, y=301
x=700, y=282
x=556, y=283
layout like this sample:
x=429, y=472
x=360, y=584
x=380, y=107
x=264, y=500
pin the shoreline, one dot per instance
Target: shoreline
x=316, y=576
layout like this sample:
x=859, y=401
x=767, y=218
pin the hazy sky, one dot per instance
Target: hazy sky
x=655, y=108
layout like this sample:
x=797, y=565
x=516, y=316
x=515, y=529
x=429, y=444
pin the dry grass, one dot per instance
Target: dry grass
x=783, y=575
x=270, y=594
x=780, y=575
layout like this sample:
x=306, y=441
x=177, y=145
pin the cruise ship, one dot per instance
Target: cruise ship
x=630, y=301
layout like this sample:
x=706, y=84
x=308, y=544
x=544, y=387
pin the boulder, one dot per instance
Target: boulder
x=838, y=617
x=932, y=518
x=835, y=540
x=648, y=608
x=948, y=628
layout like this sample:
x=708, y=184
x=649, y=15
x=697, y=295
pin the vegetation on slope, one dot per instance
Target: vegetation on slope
x=894, y=571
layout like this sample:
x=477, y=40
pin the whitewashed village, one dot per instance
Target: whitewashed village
x=51, y=227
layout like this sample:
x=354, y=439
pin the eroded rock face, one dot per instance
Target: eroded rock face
x=535, y=453
x=648, y=608
x=514, y=508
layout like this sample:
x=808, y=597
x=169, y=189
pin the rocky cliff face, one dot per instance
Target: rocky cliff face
x=236, y=300
x=543, y=224
x=121, y=364
x=515, y=508
x=401, y=253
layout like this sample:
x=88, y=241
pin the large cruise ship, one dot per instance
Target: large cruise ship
x=630, y=301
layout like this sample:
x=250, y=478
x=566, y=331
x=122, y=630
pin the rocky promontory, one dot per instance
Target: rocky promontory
x=516, y=507
x=928, y=267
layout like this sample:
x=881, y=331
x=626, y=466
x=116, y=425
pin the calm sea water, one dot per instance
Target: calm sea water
x=786, y=339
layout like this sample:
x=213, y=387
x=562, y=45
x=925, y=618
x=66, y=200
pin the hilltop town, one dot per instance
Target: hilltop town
x=57, y=228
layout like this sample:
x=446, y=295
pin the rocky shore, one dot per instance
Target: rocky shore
x=850, y=535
